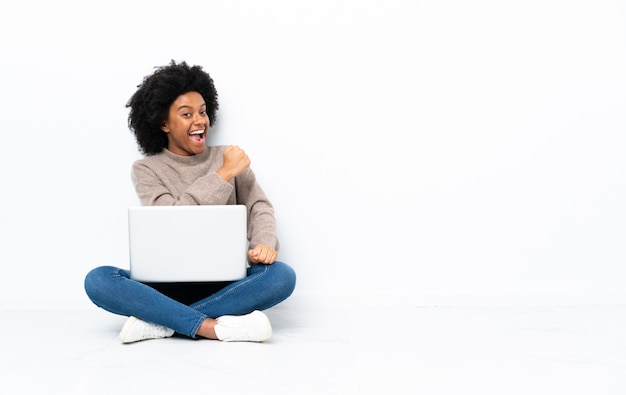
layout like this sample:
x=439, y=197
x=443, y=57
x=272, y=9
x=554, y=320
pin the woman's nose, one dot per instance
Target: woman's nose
x=198, y=119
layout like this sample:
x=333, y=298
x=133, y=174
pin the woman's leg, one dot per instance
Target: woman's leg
x=264, y=287
x=112, y=289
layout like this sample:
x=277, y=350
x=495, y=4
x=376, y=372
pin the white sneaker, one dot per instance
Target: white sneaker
x=253, y=327
x=135, y=330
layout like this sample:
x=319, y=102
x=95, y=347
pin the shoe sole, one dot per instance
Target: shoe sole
x=268, y=333
x=126, y=328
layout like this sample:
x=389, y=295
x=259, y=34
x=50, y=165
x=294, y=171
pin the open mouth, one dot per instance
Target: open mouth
x=197, y=135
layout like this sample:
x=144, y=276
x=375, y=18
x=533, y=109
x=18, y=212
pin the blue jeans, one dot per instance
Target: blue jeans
x=112, y=289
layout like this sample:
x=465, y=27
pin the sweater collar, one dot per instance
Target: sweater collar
x=188, y=160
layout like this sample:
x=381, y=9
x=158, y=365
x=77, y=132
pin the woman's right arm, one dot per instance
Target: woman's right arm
x=152, y=191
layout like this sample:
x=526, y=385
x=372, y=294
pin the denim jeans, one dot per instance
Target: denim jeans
x=264, y=286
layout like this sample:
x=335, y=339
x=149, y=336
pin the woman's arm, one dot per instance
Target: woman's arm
x=152, y=191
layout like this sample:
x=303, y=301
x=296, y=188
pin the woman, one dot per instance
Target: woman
x=170, y=115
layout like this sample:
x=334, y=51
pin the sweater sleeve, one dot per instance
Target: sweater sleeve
x=205, y=190
x=261, y=219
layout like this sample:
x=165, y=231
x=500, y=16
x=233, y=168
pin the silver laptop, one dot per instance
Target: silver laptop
x=187, y=243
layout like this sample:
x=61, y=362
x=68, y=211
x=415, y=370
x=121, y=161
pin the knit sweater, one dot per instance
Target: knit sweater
x=167, y=179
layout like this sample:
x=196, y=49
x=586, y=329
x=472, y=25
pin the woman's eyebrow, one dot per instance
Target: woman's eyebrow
x=187, y=106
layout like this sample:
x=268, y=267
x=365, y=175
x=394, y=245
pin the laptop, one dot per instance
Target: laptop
x=188, y=243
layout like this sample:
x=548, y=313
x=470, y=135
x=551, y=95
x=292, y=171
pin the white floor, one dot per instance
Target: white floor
x=328, y=349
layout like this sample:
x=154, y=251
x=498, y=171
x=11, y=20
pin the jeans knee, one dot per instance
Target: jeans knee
x=96, y=281
x=285, y=278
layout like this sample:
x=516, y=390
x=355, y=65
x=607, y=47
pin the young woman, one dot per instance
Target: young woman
x=170, y=114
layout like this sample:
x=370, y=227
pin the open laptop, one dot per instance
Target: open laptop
x=187, y=243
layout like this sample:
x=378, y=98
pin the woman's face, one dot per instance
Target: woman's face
x=187, y=124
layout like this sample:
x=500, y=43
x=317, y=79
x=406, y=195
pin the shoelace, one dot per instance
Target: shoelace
x=153, y=330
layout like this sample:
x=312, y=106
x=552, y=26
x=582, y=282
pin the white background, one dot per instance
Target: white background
x=412, y=149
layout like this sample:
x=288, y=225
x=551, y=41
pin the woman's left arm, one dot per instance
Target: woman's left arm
x=261, y=219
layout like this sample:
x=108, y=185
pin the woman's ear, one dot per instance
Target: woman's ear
x=164, y=127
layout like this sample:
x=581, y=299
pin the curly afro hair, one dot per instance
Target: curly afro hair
x=149, y=105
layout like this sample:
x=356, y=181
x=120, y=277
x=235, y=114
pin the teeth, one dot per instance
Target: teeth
x=197, y=132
